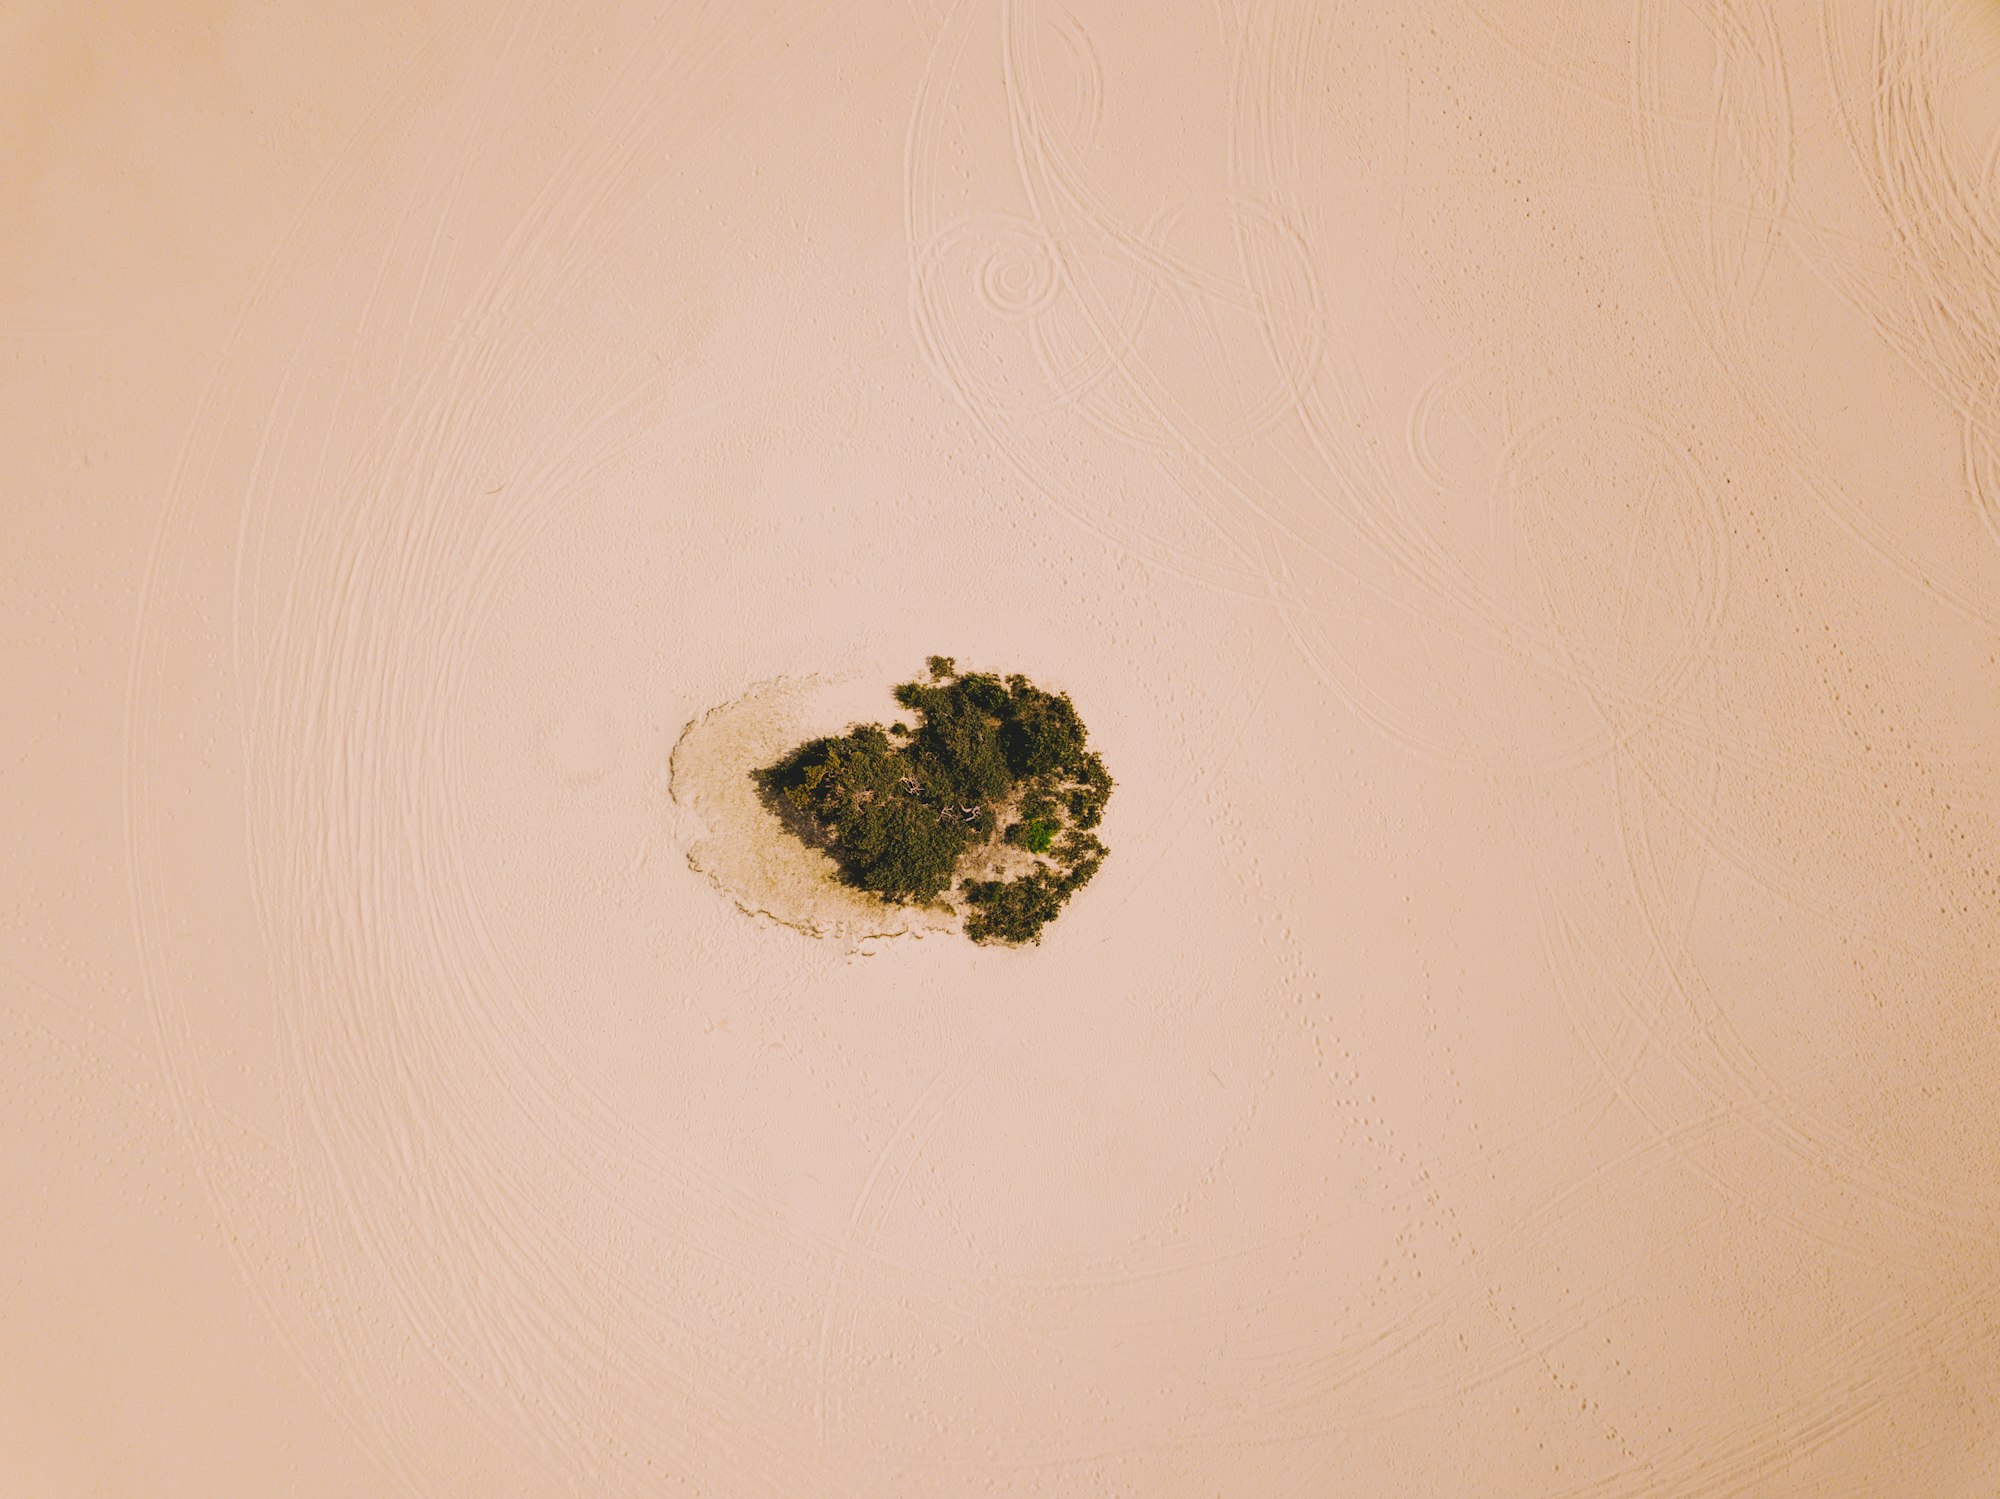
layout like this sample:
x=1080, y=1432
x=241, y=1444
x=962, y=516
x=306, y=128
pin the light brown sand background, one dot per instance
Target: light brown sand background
x=1515, y=492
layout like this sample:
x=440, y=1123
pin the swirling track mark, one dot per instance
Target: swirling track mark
x=1018, y=278
x=192, y=1104
x=1127, y=395
x=1886, y=77
x=871, y=1205
x=1982, y=476
x=1408, y=541
x=1077, y=363
x=1750, y=124
x=1273, y=287
x=1737, y=1079
x=1697, y=1038
x=1543, y=55
x=1717, y=315
x=1575, y=549
x=396, y=687
x=1437, y=400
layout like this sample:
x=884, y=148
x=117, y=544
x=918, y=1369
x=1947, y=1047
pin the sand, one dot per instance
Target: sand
x=1514, y=492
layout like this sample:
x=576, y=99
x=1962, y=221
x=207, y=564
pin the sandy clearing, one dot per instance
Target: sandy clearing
x=1516, y=492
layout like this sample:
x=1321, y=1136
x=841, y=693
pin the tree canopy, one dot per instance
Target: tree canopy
x=994, y=769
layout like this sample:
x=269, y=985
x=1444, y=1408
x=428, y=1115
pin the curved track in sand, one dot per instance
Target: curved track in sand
x=1519, y=491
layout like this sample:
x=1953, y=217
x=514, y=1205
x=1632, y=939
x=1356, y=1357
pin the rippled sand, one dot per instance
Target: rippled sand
x=1514, y=492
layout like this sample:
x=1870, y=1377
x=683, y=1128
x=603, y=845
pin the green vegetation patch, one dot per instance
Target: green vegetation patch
x=994, y=770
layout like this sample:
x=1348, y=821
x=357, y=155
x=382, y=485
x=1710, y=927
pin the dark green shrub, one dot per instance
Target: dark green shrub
x=899, y=814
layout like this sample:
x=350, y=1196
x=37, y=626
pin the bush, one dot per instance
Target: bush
x=900, y=814
x=1035, y=835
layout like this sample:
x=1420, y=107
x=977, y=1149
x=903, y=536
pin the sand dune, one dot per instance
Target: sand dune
x=1514, y=492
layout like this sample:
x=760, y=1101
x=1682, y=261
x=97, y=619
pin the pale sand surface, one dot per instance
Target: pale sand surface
x=1514, y=491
